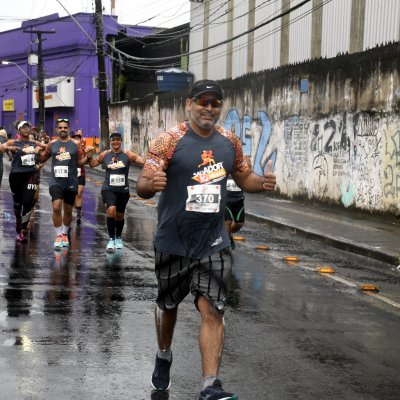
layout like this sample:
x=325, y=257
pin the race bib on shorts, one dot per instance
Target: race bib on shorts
x=231, y=186
x=79, y=172
x=117, y=180
x=28, y=160
x=203, y=198
x=61, y=171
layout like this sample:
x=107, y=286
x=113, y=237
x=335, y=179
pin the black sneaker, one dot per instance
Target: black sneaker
x=215, y=392
x=160, y=378
x=159, y=395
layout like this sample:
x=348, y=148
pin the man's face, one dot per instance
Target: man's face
x=63, y=129
x=205, y=110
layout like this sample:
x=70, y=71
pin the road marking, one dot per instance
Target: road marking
x=345, y=282
x=383, y=298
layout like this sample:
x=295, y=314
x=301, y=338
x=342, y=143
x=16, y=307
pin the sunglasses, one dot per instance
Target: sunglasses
x=204, y=102
x=62, y=120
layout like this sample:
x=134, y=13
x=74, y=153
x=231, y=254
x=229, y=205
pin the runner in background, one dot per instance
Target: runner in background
x=78, y=135
x=66, y=157
x=234, y=210
x=115, y=189
x=24, y=167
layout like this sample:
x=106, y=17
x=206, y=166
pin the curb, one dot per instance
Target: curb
x=352, y=247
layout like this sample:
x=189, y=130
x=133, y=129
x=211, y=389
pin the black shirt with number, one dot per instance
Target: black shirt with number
x=24, y=158
x=117, y=170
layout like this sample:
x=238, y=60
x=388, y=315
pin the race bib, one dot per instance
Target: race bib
x=28, y=160
x=79, y=172
x=117, y=180
x=203, y=198
x=61, y=171
x=231, y=186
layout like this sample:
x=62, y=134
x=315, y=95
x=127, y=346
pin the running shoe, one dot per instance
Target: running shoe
x=160, y=379
x=118, y=243
x=65, y=241
x=159, y=395
x=110, y=246
x=58, y=244
x=215, y=392
x=21, y=237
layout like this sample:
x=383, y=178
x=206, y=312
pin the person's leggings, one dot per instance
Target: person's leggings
x=23, y=188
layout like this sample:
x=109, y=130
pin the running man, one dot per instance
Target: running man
x=63, y=183
x=115, y=189
x=78, y=135
x=190, y=165
x=23, y=177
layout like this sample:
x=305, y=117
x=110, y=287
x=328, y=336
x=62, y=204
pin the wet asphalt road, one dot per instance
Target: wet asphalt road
x=78, y=324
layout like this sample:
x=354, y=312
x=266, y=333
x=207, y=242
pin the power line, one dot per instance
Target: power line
x=240, y=46
x=216, y=44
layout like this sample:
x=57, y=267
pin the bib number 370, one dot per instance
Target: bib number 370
x=203, y=198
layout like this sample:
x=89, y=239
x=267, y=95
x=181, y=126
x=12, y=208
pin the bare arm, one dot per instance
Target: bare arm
x=149, y=183
x=94, y=162
x=46, y=154
x=250, y=182
x=135, y=158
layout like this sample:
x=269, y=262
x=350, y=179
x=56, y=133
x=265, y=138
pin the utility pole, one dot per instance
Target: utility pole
x=102, y=77
x=40, y=77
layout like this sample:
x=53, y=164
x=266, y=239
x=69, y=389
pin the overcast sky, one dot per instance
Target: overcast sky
x=160, y=13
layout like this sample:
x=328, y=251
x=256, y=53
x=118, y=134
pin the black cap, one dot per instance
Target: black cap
x=115, y=134
x=204, y=86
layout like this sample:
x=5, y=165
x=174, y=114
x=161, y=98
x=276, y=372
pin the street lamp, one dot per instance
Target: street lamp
x=13, y=63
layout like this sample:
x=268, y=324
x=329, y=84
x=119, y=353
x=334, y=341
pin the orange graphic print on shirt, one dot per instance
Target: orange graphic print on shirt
x=63, y=155
x=207, y=157
x=212, y=171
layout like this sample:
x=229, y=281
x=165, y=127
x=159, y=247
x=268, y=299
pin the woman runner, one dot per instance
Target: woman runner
x=115, y=189
x=23, y=177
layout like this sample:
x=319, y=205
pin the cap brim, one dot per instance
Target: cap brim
x=22, y=123
x=219, y=96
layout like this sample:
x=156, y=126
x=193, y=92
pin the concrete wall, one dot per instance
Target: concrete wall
x=337, y=143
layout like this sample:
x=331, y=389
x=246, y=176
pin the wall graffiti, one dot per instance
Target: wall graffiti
x=352, y=159
x=391, y=188
x=367, y=160
x=255, y=135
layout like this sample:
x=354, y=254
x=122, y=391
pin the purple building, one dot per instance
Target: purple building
x=70, y=71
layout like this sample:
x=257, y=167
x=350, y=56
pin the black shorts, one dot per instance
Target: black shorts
x=81, y=180
x=234, y=210
x=177, y=276
x=120, y=200
x=57, y=193
x=23, y=186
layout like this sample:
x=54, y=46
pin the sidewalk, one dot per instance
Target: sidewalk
x=374, y=236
